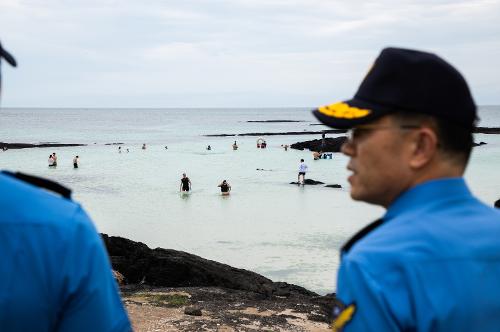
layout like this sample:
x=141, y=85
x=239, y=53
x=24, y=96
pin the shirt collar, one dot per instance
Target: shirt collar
x=430, y=191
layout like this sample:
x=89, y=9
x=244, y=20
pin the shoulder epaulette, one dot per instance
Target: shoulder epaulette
x=41, y=182
x=359, y=235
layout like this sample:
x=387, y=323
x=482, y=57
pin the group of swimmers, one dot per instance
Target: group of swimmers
x=260, y=145
x=321, y=155
x=185, y=186
x=53, y=160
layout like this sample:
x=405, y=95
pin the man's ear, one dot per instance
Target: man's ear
x=424, y=147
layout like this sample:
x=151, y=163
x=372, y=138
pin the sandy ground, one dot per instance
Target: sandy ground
x=163, y=310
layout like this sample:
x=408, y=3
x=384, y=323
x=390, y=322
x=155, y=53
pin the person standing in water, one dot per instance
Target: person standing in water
x=185, y=183
x=51, y=161
x=235, y=146
x=302, y=171
x=75, y=162
x=54, y=158
x=225, y=187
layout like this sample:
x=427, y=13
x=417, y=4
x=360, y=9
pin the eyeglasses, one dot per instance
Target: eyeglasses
x=355, y=134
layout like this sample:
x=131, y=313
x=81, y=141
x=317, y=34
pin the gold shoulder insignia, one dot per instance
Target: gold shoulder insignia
x=343, y=111
x=344, y=317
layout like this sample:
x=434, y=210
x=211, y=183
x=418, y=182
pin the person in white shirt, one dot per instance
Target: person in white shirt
x=51, y=161
x=302, y=171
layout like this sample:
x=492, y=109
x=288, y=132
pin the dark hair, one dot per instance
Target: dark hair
x=301, y=160
x=454, y=140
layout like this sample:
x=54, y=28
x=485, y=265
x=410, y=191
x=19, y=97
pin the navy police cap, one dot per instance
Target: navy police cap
x=403, y=80
x=7, y=56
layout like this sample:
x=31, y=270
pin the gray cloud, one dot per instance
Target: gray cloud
x=231, y=53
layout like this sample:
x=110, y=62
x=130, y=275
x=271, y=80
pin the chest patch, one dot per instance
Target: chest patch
x=343, y=315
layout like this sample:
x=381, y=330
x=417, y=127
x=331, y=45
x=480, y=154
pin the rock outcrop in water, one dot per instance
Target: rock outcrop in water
x=273, y=121
x=309, y=181
x=486, y=130
x=329, y=131
x=27, y=145
x=330, y=144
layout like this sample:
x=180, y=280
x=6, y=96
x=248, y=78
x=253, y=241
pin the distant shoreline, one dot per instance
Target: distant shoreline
x=477, y=130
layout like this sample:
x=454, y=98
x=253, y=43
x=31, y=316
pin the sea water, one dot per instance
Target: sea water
x=285, y=232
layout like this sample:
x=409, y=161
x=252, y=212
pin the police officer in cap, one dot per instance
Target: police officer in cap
x=432, y=262
x=55, y=273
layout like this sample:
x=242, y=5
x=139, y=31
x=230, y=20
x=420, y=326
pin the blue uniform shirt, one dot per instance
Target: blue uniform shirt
x=54, y=271
x=432, y=265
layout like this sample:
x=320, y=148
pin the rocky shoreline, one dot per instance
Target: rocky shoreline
x=41, y=145
x=175, y=290
x=477, y=130
x=486, y=130
x=333, y=146
x=330, y=131
x=274, y=121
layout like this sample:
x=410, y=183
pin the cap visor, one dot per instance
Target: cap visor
x=349, y=113
x=8, y=57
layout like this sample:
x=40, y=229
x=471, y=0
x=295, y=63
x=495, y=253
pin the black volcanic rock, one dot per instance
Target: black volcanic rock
x=27, y=145
x=171, y=268
x=486, y=130
x=273, y=121
x=333, y=186
x=309, y=181
x=193, y=311
x=478, y=144
x=331, y=144
x=329, y=131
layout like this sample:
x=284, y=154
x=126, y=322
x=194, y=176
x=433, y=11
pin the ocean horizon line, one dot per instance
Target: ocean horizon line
x=171, y=107
x=157, y=108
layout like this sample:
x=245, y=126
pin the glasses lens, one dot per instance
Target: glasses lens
x=357, y=133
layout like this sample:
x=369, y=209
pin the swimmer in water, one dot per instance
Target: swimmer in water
x=185, y=183
x=225, y=187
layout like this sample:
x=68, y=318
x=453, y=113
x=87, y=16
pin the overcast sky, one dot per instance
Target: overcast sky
x=231, y=53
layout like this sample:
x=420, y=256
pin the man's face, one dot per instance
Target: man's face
x=378, y=161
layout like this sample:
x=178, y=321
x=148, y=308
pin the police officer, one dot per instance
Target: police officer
x=54, y=271
x=432, y=262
